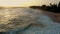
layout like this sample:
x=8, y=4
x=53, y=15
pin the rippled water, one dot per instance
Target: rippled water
x=14, y=18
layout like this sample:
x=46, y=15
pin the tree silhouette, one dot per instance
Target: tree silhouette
x=52, y=7
x=59, y=4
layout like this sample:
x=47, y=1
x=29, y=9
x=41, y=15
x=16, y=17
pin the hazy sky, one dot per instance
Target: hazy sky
x=25, y=3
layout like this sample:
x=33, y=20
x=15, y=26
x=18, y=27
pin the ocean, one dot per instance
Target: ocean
x=26, y=21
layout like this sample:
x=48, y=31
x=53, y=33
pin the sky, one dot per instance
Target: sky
x=25, y=3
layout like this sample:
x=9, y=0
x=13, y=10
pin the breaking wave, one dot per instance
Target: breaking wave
x=13, y=20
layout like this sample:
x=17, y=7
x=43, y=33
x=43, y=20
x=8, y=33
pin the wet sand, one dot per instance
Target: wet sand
x=54, y=16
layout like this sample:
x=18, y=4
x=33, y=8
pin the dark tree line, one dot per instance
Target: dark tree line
x=52, y=7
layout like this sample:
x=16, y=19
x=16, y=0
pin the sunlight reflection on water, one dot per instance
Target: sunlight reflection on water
x=27, y=16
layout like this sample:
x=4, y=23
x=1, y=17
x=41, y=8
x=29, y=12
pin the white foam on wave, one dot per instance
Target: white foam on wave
x=24, y=16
